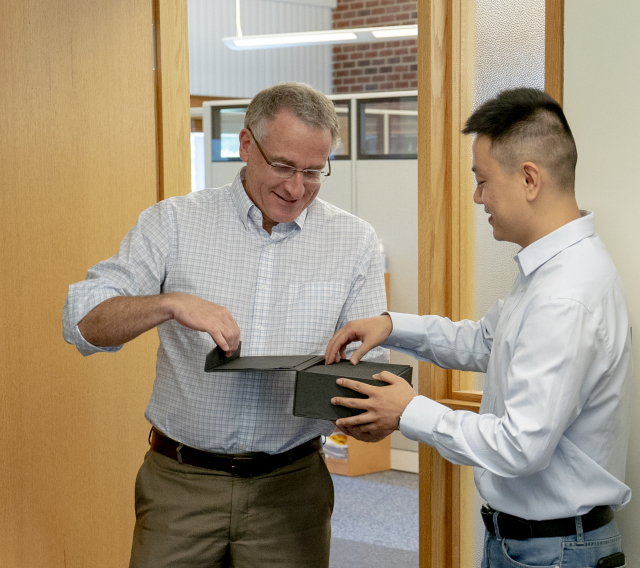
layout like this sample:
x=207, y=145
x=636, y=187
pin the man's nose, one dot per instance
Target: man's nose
x=477, y=195
x=295, y=185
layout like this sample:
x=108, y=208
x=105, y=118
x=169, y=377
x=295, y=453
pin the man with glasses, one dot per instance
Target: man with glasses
x=232, y=477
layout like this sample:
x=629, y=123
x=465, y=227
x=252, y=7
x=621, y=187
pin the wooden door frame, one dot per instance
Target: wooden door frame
x=172, y=101
x=445, y=248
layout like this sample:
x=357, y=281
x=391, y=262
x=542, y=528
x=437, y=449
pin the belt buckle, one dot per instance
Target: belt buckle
x=241, y=467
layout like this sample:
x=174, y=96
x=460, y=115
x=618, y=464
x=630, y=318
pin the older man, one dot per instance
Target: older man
x=549, y=445
x=232, y=478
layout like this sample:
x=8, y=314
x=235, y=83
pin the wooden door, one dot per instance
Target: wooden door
x=79, y=163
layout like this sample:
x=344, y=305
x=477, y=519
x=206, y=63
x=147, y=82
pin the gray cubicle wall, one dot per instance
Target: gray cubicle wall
x=374, y=175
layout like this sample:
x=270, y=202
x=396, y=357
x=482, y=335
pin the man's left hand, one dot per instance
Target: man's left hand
x=383, y=407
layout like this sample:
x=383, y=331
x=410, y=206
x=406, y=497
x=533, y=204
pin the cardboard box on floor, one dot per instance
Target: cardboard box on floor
x=362, y=457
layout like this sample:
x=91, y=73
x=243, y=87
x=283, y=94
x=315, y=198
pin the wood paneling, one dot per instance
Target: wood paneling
x=435, y=100
x=172, y=99
x=78, y=153
x=554, y=49
x=197, y=100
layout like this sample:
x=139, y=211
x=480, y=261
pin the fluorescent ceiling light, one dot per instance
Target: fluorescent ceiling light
x=396, y=31
x=329, y=37
x=285, y=40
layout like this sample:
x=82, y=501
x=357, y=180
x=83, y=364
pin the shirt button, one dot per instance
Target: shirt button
x=259, y=328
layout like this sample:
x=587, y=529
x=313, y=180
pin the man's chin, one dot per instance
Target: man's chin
x=286, y=216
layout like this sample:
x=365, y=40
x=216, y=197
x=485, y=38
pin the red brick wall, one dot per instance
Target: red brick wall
x=380, y=66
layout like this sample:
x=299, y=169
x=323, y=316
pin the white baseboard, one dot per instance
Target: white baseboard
x=404, y=460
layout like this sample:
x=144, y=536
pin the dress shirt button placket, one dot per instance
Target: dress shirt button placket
x=262, y=299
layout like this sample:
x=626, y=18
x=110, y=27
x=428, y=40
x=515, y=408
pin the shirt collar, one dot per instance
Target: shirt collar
x=250, y=214
x=544, y=249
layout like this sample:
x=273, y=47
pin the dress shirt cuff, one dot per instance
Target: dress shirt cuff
x=87, y=348
x=420, y=418
x=407, y=332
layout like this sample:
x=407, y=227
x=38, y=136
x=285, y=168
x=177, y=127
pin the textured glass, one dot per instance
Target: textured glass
x=509, y=52
x=509, y=46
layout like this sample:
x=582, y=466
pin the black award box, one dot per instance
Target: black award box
x=315, y=383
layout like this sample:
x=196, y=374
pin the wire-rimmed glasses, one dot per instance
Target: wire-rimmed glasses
x=285, y=171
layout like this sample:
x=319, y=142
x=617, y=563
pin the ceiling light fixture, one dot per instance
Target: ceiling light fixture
x=329, y=37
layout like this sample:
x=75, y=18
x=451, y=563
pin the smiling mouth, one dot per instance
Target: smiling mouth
x=286, y=200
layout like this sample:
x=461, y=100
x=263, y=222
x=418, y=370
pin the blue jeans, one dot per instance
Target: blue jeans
x=576, y=551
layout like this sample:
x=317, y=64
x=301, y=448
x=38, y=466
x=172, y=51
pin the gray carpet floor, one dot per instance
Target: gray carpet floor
x=375, y=521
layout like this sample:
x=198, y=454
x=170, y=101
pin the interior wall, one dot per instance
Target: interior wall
x=78, y=164
x=217, y=70
x=601, y=86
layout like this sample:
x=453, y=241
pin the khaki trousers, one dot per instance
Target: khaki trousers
x=190, y=517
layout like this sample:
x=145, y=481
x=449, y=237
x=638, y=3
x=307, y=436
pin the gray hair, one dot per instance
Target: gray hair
x=310, y=106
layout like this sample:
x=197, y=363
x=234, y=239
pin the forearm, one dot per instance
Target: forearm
x=450, y=345
x=121, y=319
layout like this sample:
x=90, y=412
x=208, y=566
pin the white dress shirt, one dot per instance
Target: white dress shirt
x=551, y=437
x=289, y=291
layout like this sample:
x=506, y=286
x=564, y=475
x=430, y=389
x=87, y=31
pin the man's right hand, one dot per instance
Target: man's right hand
x=123, y=318
x=201, y=315
x=371, y=331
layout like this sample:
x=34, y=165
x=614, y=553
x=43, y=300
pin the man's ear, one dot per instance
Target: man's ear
x=532, y=180
x=245, y=142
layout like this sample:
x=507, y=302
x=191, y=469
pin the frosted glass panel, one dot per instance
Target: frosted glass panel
x=509, y=46
x=509, y=52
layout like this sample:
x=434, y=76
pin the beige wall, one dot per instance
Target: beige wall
x=602, y=104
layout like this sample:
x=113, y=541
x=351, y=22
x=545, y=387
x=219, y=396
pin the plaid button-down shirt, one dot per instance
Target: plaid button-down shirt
x=289, y=292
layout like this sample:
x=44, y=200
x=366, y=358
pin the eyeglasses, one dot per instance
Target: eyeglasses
x=285, y=171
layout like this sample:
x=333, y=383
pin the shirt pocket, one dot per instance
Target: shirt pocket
x=313, y=312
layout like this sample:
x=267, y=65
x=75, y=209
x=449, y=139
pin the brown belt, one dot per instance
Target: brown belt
x=241, y=465
x=522, y=529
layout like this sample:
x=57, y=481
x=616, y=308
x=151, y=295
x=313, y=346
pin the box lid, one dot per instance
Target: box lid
x=217, y=362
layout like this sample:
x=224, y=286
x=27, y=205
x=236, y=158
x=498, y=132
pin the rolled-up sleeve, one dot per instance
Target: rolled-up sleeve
x=137, y=269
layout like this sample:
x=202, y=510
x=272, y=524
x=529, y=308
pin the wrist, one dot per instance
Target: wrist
x=388, y=323
x=403, y=411
x=169, y=305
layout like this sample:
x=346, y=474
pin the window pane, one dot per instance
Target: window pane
x=226, y=126
x=388, y=128
x=344, y=118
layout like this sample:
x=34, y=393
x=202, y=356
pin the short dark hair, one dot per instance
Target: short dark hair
x=309, y=105
x=527, y=125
